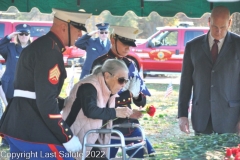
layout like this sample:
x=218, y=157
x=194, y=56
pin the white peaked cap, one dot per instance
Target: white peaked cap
x=77, y=19
x=126, y=35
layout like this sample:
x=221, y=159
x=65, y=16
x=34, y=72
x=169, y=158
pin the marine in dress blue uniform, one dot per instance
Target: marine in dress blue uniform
x=32, y=121
x=94, y=47
x=11, y=52
x=127, y=36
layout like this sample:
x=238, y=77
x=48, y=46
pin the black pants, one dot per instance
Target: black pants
x=208, y=130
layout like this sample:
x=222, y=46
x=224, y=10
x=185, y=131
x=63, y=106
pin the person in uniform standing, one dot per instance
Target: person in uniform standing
x=122, y=38
x=94, y=47
x=11, y=52
x=32, y=122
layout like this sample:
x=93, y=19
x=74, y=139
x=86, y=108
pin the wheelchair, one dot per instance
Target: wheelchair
x=122, y=145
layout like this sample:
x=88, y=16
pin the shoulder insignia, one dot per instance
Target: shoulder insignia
x=54, y=74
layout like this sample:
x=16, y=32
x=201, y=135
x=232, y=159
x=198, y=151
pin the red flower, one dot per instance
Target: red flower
x=237, y=157
x=234, y=151
x=150, y=110
x=228, y=152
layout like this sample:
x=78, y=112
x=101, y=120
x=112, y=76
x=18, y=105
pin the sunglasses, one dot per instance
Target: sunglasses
x=23, y=33
x=121, y=80
x=102, y=32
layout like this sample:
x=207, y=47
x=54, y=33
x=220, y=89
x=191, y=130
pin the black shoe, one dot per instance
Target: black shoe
x=152, y=156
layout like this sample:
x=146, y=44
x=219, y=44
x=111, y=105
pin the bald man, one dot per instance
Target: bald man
x=210, y=74
x=32, y=122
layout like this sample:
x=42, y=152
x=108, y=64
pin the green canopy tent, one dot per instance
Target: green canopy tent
x=167, y=8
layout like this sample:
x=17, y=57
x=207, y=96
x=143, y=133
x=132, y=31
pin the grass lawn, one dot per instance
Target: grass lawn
x=163, y=132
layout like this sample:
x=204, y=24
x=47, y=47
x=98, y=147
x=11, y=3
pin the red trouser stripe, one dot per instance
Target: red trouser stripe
x=55, y=150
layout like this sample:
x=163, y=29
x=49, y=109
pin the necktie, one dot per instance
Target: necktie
x=103, y=44
x=214, y=50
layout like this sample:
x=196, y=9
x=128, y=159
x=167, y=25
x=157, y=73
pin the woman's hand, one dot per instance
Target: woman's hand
x=136, y=114
x=123, y=112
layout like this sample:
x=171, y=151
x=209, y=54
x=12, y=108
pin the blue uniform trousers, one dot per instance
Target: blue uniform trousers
x=22, y=150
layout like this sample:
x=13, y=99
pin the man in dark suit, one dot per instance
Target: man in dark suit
x=211, y=72
x=94, y=47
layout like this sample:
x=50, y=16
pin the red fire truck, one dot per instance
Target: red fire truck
x=163, y=51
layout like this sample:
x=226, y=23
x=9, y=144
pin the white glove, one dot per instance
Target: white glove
x=92, y=33
x=126, y=86
x=74, y=145
x=135, y=86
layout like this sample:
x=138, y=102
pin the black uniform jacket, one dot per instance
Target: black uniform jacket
x=124, y=98
x=40, y=69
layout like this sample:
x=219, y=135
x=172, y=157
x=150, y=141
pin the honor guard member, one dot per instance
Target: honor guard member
x=11, y=52
x=122, y=38
x=94, y=47
x=32, y=122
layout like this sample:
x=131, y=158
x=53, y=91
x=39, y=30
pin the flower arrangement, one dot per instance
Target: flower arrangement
x=232, y=153
x=192, y=147
x=150, y=109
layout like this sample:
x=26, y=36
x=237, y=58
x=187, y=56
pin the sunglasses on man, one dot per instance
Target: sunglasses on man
x=102, y=32
x=23, y=33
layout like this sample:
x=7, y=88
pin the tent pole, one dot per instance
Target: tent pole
x=142, y=7
x=28, y=6
x=211, y=5
x=78, y=2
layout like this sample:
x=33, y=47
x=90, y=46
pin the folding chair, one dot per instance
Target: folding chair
x=122, y=145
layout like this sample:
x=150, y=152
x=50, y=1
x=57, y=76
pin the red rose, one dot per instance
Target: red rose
x=234, y=151
x=228, y=152
x=237, y=157
x=151, y=110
